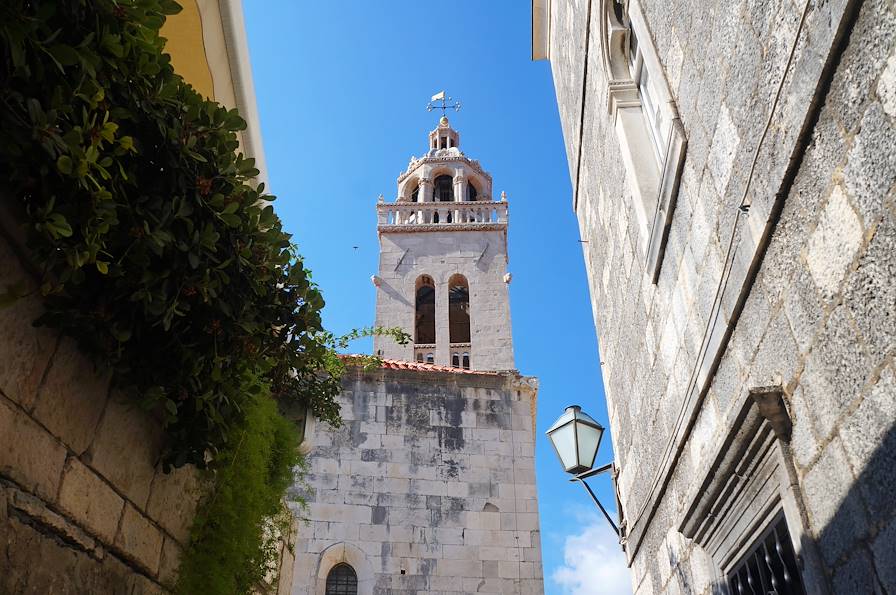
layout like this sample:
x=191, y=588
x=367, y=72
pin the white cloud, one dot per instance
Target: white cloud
x=593, y=563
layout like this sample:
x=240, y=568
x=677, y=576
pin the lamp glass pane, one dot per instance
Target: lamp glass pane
x=564, y=441
x=589, y=440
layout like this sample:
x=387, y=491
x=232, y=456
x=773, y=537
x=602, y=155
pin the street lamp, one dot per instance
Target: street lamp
x=576, y=438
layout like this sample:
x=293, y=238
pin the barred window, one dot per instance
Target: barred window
x=342, y=580
x=769, y=566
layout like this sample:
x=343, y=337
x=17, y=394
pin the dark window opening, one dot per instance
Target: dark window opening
x=425, y=315
x=770, y=566
x=458, y=310
x=466, y=361
x=455, y=360
x=444, y=191
x=420, y=357
x=342, y=580
x=471, y=192
x=415, y=194
x=429, y=358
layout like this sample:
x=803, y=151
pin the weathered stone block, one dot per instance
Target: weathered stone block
x=89, y=500
x=834, y=243
x=139, y=539
x=126, y=449
x=72, y=397
x=25, y=350
x=169, y=563
x=835, y=510
x=28, y=454
x=174, y=498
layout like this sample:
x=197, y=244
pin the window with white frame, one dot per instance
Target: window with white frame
x=651, y=137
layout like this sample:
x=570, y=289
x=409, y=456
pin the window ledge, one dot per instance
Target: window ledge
x=667, y=196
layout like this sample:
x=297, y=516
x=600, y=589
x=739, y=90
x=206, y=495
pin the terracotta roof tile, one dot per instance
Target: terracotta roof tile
x=394, y=364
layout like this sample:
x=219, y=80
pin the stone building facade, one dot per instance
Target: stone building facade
x=733, y=169
x=429, y=486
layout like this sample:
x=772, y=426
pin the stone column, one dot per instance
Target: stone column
x=443, y=347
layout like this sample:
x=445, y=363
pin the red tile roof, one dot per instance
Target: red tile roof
x=394, y=364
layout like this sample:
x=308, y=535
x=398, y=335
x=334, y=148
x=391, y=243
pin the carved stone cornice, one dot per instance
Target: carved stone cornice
x=423, y=227
x=473, y=163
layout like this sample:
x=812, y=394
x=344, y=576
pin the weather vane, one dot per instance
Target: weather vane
x=440, y=96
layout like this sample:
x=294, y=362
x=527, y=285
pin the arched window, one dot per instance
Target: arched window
x=444, y=189
x=420, y=357
x=466, y=361
x=342, y=580
x=415, y=194
x=425, y=315
x=430, y=358
x=458, y=309
x=455, y=360
x=472, y=194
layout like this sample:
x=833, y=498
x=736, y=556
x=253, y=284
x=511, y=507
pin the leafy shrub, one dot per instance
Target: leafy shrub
x=157, y=251
x=233, y=540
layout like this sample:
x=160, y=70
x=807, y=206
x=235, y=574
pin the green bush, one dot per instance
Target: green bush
x=234, y=536
x=157, y=251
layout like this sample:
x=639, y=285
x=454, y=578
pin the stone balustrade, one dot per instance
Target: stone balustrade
x=479, y=213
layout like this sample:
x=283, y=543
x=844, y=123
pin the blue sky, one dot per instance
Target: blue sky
x=342, y=89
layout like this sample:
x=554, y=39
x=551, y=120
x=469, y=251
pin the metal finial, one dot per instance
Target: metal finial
x=446, y=103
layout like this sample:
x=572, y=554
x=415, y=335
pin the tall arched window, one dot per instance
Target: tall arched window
x=458, y=309
x=342, y=580
x=425, y=314
x=415, y=194
x=444, y=189
x=472, y=194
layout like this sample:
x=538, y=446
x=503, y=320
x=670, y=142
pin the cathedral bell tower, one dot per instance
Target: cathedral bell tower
x=443, y=262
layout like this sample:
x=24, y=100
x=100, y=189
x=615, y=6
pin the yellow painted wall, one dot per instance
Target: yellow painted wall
x=187, y=47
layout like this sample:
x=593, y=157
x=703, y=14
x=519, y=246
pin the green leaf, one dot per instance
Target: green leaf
x=120, y=332
x=64, y=55
x=231, y=220
x=102, y=267
x=64, y=164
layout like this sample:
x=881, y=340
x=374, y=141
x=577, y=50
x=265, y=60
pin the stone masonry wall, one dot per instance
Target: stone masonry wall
x=429, y=487
x=481, y=256
x=820, y=319
x=84, y=508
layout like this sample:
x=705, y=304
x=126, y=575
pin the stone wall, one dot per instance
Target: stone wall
x=481, y=256
x=798, y=292
x=84, y=507
x=428, y=487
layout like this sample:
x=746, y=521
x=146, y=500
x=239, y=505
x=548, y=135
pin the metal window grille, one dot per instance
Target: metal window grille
x=769, y=567
x=342, y=580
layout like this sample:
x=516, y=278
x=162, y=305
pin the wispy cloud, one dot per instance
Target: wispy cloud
x=593, y=563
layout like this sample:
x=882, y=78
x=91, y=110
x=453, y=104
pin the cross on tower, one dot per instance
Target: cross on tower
x=440, y=96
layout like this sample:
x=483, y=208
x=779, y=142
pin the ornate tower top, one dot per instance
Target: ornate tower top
x=443, y=262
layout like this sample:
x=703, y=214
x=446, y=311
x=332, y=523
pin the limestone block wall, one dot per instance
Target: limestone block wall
x=481, y=256
x=84, y=507
x=428, y=487
x=807, y=295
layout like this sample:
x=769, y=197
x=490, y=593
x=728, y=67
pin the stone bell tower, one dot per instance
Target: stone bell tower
x=443, y=262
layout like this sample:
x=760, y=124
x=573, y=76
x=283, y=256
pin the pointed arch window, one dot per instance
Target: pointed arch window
x=415, y=194
x=444, y=189
x=466, y=361
x=342, y=580
x=458, y=309
x=425, y=311
x=472, y=194
x=455, y=360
